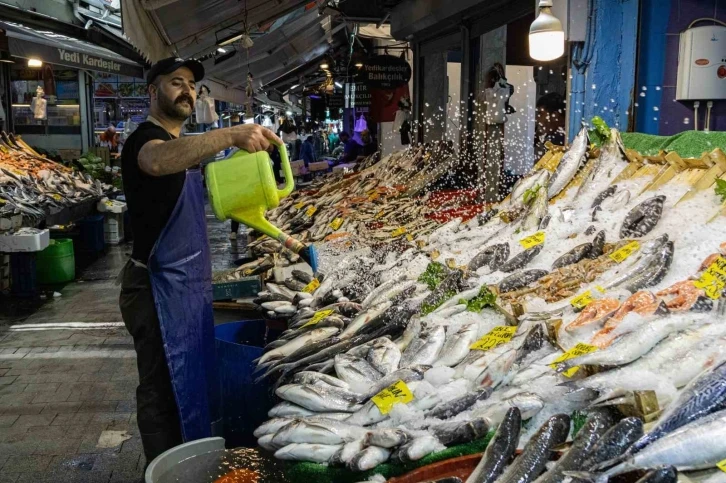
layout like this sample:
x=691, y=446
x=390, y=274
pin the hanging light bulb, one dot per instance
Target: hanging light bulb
x=546, y=36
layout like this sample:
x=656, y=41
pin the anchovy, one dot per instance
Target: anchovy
x=384, y=355
x=573, y=256
x=520, y=261
x=460, y=432
x=520, y=279
x=500, y=449
x=595, y=427
x=452, y=408
x=704, y=395
x=369, y=458
x=569, y=164
x=457, y=345
x=538, y=450
x=642, y=219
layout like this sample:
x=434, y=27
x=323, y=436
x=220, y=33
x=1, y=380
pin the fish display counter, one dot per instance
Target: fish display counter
x=583, y=316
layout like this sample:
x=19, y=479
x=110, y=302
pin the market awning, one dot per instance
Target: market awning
x=287, y=35
x=55, y=48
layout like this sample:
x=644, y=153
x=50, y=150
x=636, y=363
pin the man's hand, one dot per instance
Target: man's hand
x=252, y=137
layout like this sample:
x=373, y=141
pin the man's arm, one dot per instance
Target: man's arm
x=159, y=158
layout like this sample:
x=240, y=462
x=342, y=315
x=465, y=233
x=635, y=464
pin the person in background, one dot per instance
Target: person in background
x=351, y=148
x=550, y=123
x=110, y=139
x=307, y=152
x=370, y=146
x=333, y=141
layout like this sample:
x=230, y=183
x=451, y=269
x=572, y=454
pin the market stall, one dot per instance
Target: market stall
x=585, y=305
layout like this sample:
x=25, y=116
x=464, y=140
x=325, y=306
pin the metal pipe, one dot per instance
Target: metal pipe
x=707, y=127
x=696, y=105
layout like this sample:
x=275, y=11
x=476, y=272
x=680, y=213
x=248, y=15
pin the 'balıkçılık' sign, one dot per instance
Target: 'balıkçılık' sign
x=384, y=72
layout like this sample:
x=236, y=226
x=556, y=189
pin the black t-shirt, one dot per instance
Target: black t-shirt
x=150, y=199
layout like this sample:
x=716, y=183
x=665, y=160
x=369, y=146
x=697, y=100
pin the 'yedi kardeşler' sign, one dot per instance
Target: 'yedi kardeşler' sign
x=384, y=72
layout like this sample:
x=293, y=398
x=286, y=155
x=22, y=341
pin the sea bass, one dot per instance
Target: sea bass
x=569, y=164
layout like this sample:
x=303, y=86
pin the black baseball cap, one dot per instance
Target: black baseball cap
x=170, y=64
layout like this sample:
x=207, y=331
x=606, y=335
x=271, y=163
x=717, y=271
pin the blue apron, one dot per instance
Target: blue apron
x=181, y=279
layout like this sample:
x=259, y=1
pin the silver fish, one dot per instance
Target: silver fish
x=287, y=409
x=640, y=262
x=537, y=210
x=309, y=377
x=656, y=272
x=569, y=164
x=384, y=355
x=318, y=431
x=527, y=183
x=457, y=345
x=417, y=449
x=369, y=458
x=409, y=374
x=347, y=452
x=319, y=398
x=412, y=331
x=460, y=432
x=452, y=408
x=528, y=404
x=272, y=426
x=363, y=318
x=431, y=342
x=387, y=438
x=608, y=165
x=307, y=338
x=355, y=371
x=316, y=453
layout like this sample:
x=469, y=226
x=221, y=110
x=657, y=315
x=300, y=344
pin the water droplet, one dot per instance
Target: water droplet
x=612, y=100
x=642, y=94
x=657, y=88
x=686, y=120
x=594, y=87
x=656, y=108
x=636, y=104
x=645, y=88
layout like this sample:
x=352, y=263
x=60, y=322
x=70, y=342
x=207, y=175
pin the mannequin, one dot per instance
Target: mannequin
x=497, y=97
x=39, y=106
x=402, y=121
x=204, y=107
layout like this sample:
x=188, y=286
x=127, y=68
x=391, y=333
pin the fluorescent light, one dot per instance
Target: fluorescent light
x=294, y=87
x=546, y=36
x=35, y=63
x=222, y=50
x=229, y=40
x=338, y=84
x=359, y=64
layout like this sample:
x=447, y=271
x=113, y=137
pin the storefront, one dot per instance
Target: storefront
x=63, y=91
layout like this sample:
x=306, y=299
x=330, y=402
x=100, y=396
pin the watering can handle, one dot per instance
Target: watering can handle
x=289, y=180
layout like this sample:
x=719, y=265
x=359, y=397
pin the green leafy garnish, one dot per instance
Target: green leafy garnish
x=600, y=131
x=433, y=275
x=428, y=308
x=720, y=189
x=485, y=298
x=530, y=195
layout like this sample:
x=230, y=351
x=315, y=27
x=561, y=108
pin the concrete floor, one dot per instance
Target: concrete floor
x=67, y=391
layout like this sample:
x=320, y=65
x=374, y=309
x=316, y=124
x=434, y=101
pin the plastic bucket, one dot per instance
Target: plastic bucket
x=56, y=264
x=92, y=238
x=244, y=403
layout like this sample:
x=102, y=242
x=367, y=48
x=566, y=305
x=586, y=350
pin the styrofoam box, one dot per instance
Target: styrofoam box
x=110, y=206
x=25, y=243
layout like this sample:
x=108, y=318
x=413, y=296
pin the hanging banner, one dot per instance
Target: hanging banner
x=384, y=72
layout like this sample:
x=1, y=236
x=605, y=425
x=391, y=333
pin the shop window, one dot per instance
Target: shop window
x=117, y=98
x=60, y=90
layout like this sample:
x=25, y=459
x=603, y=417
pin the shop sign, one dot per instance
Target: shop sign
x=336, y=101
x=357, y=95
x=385, y=72
x=71, y=58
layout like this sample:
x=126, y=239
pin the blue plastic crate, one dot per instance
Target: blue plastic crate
x=23, y=278
x=245, y=403
x=91, y=238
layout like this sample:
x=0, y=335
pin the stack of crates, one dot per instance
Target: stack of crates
x=113, y=226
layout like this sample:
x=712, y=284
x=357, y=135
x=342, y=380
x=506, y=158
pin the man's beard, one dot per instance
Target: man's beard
x=177, y=109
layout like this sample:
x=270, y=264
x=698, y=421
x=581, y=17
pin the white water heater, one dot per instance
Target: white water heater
x=702, y=64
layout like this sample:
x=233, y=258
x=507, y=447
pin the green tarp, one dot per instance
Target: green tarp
x=688, y=144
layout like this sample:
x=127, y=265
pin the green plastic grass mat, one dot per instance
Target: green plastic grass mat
x=317, y=473
x=688, y=144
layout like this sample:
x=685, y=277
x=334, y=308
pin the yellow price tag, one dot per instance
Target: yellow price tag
x=379, y=215
x=579, y=350
x=318, y=316
x=497, y=336
x=371, y=192
x=533, y=240
x=398, y=232
x=312, y=286
x=56, y=197
x=599, y=289
x=108, y=203
x=4, y=149
x=335, y=224
x=392, y=395
x=409, y=237
x=713, y=279
x=721, y=465
x=582, y=300
x=310, y=211
x=621, y=254
x=298, y=206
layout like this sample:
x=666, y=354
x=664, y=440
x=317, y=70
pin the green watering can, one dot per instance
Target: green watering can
x=243, y=187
